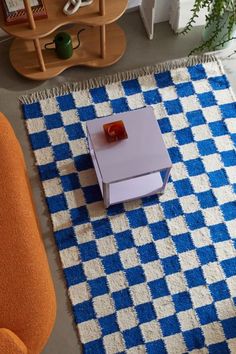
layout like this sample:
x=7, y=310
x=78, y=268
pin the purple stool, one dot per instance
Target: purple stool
x=131, y=168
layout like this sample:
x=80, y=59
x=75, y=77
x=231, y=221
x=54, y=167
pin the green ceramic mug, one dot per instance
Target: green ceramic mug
x=63, y=45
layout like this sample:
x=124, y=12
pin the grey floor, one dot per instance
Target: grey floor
x=140, y=51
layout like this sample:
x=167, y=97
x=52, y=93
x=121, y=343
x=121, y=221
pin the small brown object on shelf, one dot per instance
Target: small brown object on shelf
x=20, y=16
x=115, y=131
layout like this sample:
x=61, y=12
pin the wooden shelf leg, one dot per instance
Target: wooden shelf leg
x=29, y=14
x=102, y=7
x=39, y=54
x=103, y=41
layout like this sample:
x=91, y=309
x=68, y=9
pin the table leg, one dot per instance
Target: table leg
x=106, y=194
x=103, y=41
x=102, y=7
x=166, y=179
x=39, y=54
x=29, y=14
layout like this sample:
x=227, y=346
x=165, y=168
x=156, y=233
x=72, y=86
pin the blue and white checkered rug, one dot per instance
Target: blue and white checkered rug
x=156, y=275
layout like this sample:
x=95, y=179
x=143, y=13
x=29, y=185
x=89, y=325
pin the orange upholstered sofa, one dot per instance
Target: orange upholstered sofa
x=27, y=297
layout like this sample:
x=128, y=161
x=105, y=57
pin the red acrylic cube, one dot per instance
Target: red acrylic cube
x=115, y=131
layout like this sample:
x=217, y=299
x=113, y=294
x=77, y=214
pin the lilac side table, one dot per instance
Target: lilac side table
x=132, y=168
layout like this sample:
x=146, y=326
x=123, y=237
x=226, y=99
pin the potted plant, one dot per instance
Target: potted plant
x=220, y=23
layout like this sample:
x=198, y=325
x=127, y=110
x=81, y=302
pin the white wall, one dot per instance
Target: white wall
x=133, y=3
x=180, y=14
x=162, y=11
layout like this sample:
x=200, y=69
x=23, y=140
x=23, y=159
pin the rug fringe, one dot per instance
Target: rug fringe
x=113, y=78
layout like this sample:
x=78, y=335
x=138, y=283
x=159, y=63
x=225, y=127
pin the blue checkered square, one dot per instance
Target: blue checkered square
x=183, y=243
x=207, y=314
x=185, y=89
x=70, y=182
x=98, y=286
x=194, y=339
x=156, y=347
x=74, y=131
x=57, y=203
x=65, y=238
x=133, y=337
x=195, y=277
x=145, y=312
x=219, y=348
x=207, y=99
x=229, y=210
x=183, y=187
x=32, y=110
x=165, y=125
x=86, y=113
x=218, y=178
x=228, y=110
x=197, y=72
x=158, y=288
x=99, y=95
x=207, y=199
x=39, y=140
x=151, y=97
x=74, y=275
x=131, y=87
x=83, y=162
x=102, y=228
x=66, y=102
x=119, y=105
x=175, y=154
x=135, y=275
x=206, y=147
x=229, y=158
x=219, y=232
x=173, y=107
x=229, y=327
x=229, y=267
x=112, y=263
x=195, y=220
x=79, y=215
x=108, y=324
x=62, y=151
x=169, y=325
x=53, y=121
x=48, y=171
x=95, y=347
x=195, y=118
x=147, y=253
x=137, y=218
x=219, y=82
x=159, y=230
x=124, y=240
x=164, y=79
x=122, y=299
x=84, y=311
x=88, y=251
x=171, y=265
x=195, y=167
x=172, y=208
x=182, y=301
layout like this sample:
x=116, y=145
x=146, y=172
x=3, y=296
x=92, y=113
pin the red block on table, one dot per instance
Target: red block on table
x=115, y=131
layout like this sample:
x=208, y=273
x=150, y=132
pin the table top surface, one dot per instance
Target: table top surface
x=142, y=153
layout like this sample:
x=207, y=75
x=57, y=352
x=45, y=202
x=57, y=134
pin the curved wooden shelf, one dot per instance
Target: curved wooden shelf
x=88, y=15
x=89, y=53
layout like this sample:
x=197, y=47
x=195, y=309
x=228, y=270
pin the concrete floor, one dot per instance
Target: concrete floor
x=140, y=51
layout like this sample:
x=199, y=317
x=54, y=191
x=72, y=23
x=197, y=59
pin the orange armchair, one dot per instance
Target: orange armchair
x=27, y=297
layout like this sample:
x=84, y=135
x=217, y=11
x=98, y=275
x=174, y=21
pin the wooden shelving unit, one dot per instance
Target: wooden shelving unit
x=102, y=43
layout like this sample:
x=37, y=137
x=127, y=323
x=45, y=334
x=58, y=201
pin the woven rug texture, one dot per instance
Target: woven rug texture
x=158, y=274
